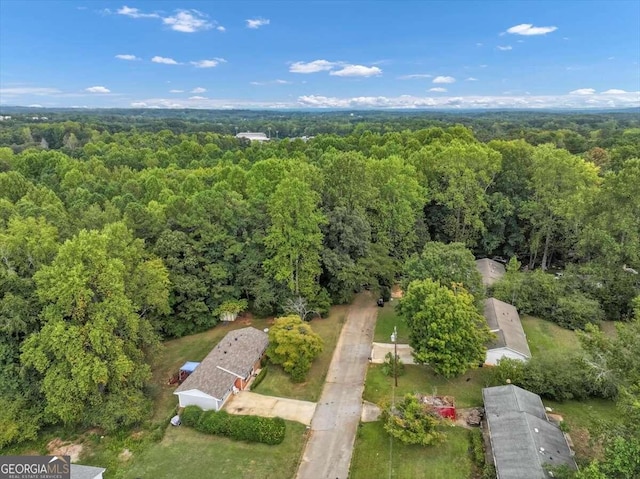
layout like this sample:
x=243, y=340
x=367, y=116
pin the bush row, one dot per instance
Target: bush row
x=540, y=294
x=259, y=377
x=241, y=428
x=556, y=377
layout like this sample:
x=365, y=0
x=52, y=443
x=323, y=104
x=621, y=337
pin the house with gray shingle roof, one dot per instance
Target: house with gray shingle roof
x=226, y=368
x=490, y=270
x=523, y=441
x=79, y=471
x=504, y=322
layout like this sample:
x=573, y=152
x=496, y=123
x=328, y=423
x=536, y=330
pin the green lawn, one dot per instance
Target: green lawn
x=195, y=347
x=466, y=389
x=584, y=419
x=278, y=383
x=186, y=453
x=372, y=457
x=547, y=337
x=387, y=319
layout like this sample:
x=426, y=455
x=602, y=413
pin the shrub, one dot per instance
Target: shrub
x=557, y=377
x=388, y=368
x=476, y=447
x=575, y=311
x=259, y=377
x=240, y=428
x=191, y=416
x=218, y=423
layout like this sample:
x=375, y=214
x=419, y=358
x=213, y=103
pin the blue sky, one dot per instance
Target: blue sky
x=359, y=54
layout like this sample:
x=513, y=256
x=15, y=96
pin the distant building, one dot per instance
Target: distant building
x=522, y=439
x=503, y=321
x=490, y=270
x=5, y=117
x=253, y=136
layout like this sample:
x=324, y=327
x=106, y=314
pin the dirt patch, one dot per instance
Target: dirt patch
x=396, y=292
x=57, y=447
x=125, y=455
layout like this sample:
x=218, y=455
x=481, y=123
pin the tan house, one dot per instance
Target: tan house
x=227, y=368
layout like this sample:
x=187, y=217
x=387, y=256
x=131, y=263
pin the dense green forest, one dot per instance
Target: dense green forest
x=119, y=230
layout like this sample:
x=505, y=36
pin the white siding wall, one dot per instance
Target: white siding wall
x=192, y=398
x=493, y=355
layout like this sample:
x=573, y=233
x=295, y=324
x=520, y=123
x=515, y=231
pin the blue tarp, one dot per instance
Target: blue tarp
x=189, y=366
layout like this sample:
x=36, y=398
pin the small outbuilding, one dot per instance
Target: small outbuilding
x=79, y=471
x=490, y=270
x=511, y=341
x=523, y=441
x=227, y=368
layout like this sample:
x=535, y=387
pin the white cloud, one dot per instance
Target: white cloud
x=197, y=98
x=188, y=21
x=135, y=13
x=176, y=91
x=471, y=79
x=127, y=57
x=312, y=67
x=97, y=89
x=479, y=44
x=614, y=91
x=28, y=91
x=582, y=91
x=220, y=28
x=257, y=22
x=477, y=102
x=529, y=29
x=414, y=76
x=272, y=82
x=444, y=79
x=438, y=90
x=505, y=48
x=356, y=71
x=164, y=60
x=208, y=63
x=199, y=90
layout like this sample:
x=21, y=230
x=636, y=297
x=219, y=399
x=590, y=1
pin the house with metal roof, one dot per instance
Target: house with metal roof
x=490, y=270
x=227, y=368
x=504, y=322
x=522, y=440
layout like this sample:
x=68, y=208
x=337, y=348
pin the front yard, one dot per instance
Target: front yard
x=186, y=453
x=375, y=457
x=387, y=320
x=278, y=383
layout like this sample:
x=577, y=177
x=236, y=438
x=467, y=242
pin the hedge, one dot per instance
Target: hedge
x=241, y=428
x=259, y=377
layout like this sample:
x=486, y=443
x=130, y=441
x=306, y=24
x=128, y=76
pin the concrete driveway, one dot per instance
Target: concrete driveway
x=380, y=350
x=246, y=402
x=327, y=454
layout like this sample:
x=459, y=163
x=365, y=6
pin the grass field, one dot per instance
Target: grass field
x=277, y=382
x=387, y=319
x=466, y=389
x=545, y=336
x=373, y=455
x=185, y=453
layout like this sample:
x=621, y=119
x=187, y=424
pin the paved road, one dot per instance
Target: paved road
x=333, y=429
x=246, y=402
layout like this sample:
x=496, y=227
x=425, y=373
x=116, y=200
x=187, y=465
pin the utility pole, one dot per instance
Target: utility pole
x=394, y=338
